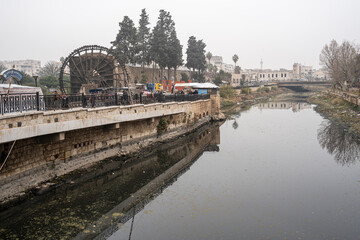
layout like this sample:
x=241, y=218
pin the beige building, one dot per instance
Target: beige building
x=30, y=67
x=300, y=71
x=321, y=75
x=229, y=68
x=244, y=76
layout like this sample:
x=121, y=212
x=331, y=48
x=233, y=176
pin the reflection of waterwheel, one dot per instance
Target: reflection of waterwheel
x=89, y=67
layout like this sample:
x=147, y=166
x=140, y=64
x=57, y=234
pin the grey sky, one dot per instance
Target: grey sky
x=280, y=32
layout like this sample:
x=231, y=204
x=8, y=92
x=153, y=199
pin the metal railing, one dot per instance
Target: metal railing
x=12, y=103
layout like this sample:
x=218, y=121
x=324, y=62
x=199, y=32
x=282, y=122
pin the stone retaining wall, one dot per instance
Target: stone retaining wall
x=352, y=98
x=106, y=132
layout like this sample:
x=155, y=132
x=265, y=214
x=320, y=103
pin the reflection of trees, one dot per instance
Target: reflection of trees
x=235, y=124
x=344, y=145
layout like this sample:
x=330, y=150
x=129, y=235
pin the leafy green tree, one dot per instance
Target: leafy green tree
x=217, y=80
x=184, y=77
x=224, y=76
x=49, y=82
x=198, y=77
x=246, y=91
x=227, y=92
x=51, y=68
x=144, y=56
x=126, y=42
x=27, y=80
x=237, y=70
x=143, y=79
x=235, y=58
x=242, y=81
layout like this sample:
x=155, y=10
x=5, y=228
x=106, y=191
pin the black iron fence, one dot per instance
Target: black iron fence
x=12, y=103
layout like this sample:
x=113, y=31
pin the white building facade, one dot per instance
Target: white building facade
x=274, y=75
x=30, y=67
x=220, y=65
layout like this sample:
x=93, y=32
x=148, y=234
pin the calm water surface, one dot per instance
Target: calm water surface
x=276, y=171
x=271, y=179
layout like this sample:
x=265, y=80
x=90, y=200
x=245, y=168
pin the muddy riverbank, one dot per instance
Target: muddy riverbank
x=335, y=108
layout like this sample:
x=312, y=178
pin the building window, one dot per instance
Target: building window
x=276, y=75
x=285, y=74
x=282, y=75
x=272, y=75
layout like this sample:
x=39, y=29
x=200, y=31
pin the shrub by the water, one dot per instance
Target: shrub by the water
x=246, y=91
x=227, y=92
x=162, y=126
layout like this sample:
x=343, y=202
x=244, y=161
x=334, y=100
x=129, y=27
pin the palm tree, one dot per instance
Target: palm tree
x=235, y=58
x=209, y=56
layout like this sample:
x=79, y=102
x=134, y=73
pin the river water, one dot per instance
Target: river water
x=276, y=171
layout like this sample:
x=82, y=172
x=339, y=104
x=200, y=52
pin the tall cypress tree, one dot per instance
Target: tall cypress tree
x=158, y=42
x=191, y=53
x=144, y=38
x=200, y=56
x=125, y=45
x=196, y=57
x=175, y=52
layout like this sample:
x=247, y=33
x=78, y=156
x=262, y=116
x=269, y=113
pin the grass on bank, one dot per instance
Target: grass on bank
x=337, y=108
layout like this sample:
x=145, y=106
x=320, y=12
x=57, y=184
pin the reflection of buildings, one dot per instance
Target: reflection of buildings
x=111, y=192
x=296, y=106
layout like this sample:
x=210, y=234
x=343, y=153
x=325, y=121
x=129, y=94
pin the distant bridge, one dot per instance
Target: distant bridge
x=304, y=86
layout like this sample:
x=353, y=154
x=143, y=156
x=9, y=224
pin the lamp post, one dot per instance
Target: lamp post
x=35, y=78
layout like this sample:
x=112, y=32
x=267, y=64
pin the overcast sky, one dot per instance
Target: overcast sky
x=280, y=32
